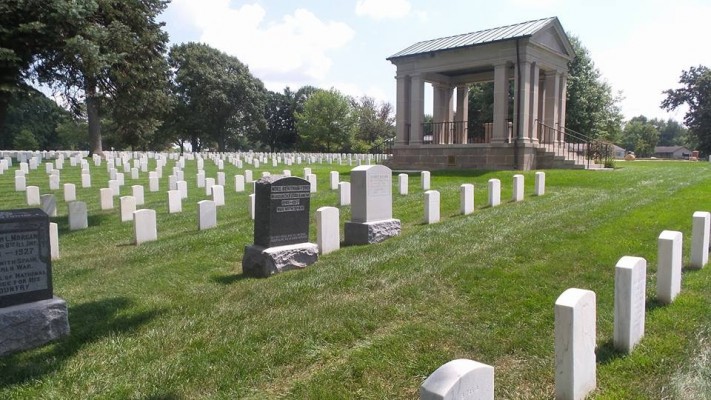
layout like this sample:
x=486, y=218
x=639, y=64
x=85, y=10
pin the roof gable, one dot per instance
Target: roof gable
x=547, y=32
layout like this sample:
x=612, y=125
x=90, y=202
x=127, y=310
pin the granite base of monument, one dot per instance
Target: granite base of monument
x=370, y=232
x=29, y=325
x=262, y=262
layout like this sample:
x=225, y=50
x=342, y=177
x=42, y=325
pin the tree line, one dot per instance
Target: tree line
x=122, y=87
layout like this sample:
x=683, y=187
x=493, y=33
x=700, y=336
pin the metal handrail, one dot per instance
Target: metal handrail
x=575, y=144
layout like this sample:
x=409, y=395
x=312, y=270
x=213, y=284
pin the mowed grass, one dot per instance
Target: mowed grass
x=176, y=319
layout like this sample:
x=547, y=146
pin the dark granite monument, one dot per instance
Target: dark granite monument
x=29, y=313
x=281, y=211
x=281, y=227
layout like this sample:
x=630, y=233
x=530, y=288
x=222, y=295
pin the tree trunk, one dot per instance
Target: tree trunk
x=92, y=113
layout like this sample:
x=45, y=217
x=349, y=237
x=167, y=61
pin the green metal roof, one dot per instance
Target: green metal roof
x=521, y=30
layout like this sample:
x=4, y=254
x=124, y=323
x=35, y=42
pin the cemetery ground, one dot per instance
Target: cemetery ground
x=176, y=319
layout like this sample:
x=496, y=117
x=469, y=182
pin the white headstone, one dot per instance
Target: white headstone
x=144, y=226
x=85, y=180
x=328, y=234
x=120, y=179
x=307, y=172
x=172, y=182
x=494, y=186
x=221, y=178
x=403, y=182
x=251, y=206
x=175, y=202
x=54, y=182
x=458, y=380
x=182, y=187
x=466, y=198
x=425, y=180
x=517, y=188
x=33, y=195
x=312, y=180
x=54, y=240
x=107, y=198
x=540, y=185
x=630, y=299
x=78, y=216
x=431, y=207
x=115, y=188
x=248, y=176
x=137, y=192
x=286, y=172
x=700, y=239
x=48, y=204
x=266, y=173
x=371, y=193
x=70, y=192
x=128, y=206
x=209, y=183
x=200, y=177
x=20, y=183
x=239, y=183
x=218, y=195
x=344, y=193
x=575, y=335
x=669, y=255
x=334, y=179
x=207, y=214
x=153, y=184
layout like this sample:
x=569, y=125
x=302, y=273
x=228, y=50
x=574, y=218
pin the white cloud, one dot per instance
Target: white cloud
x=383, y=9
x=651, y=59
x=293, y=48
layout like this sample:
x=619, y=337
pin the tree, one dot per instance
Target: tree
x=29, y=28
x=114, y=53
x=217, y=98
x=32, y=111
x=671, y=133
x=591, y=108
x=695, y=93
x=641, y=136
x=326, y=122
x=375, y=125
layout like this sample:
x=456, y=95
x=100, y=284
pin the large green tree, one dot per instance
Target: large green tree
x=327, y=121
x=591, y=107
x=217, y=100
x=113, y=54
x=375, y=125
x=641, y=136
x=29, y=28
x=280, y=112
x=695, y=93
x=30, y=111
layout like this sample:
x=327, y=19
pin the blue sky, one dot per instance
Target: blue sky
x=640, y=47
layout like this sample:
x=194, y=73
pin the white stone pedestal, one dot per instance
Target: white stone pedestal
x=30, y=325
x=263, y=262
x=371, y=232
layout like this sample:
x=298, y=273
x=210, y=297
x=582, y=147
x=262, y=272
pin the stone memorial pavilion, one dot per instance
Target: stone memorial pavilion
x=528, y=65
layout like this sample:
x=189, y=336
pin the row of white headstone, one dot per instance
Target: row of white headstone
x=576, y=323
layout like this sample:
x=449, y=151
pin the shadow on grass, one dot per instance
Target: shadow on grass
x=230, y=279
x=606, y=353
x=88, y=323
x=653, y=304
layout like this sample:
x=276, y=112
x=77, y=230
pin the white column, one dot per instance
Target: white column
x=462, y=114
x=417, y=108
x=522, y=102
x=561, y=108
x=533, y=122
x=501, y=104
x=551, y=108
x=402, y=111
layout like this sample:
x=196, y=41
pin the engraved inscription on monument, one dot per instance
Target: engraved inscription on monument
x=380, y=185
x=25, y=266
x=281, y=211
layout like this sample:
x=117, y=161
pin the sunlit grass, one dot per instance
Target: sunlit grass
x=176, y=319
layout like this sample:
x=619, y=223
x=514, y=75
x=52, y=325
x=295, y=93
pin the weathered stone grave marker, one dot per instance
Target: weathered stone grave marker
x=371, y=206
x=700, y=239
x=328, y=234
x=517, y=188
x=494, y=192
x=459, y=379
x=281, y=227
x=540, y=184
x=30, y=315
x=669, y=265
x=466, y=198
x=575, y=335
x=431, y=207
x=630, y=298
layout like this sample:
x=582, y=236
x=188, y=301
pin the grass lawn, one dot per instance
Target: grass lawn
x=176, y=319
